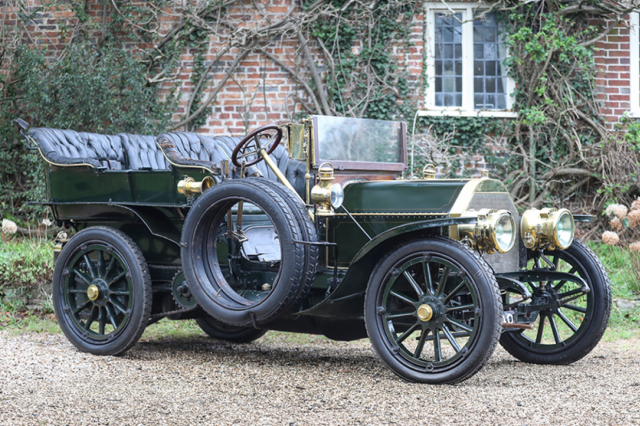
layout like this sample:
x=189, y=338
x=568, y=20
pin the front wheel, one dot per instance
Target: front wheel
x=433, y=311
x=564, y=334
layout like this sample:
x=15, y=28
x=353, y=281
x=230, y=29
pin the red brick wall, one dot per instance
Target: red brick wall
x=262, y=92
x=613, y=79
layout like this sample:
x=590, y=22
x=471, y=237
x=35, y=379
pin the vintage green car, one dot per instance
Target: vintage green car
x=312, y=228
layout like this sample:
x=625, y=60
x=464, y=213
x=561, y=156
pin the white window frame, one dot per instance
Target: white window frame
x=466, y=110
x=634, y=65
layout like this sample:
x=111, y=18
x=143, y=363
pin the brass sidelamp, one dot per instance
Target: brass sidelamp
x=326, y=194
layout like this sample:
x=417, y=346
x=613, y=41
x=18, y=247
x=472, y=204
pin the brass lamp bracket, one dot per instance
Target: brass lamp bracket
x=189, y=187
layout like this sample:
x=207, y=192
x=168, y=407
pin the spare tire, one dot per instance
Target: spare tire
x=230, y=289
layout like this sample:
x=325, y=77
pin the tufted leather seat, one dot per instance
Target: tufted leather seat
x=119, y=152
x=142, y=152
x=68, y=147
x=193, y=149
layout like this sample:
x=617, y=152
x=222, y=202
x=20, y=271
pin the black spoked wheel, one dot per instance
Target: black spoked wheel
x=564, y=333
x=221, y=331
x=432, y=311
x=102, y=291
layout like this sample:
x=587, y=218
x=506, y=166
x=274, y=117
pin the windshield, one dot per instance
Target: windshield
x=358, y=139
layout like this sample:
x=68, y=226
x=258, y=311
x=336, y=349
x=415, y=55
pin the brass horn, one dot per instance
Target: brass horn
x=189, y=187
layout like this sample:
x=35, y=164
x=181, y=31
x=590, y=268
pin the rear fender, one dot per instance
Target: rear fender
x=350, y=291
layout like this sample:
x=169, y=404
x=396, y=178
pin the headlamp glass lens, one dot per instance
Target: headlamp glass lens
x=505, y=232
x=337, y=195
x=565, y=230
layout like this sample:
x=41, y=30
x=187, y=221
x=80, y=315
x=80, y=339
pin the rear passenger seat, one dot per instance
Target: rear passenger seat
x=115, y=152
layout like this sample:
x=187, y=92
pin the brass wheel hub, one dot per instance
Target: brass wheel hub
x=93, y=292
x=425, y=312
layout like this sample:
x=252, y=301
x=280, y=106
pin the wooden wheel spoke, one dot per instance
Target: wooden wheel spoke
x=540, y=328
x=437, y=349
x=413, y=283
x=102, y=321
x=450, y=338
x=458, y=324
x=460, y=308
x=112, y=263
x=82, y=276
x=420, y=346
x=554, y=329
x=112, y=316
x=117, y=305
x=567, y=321
x=454, y=292
x=81, y=307
x=427, y=278
x=575, y=308
x=443, y=281
x=406, y=334
x=404, y=298
x=117, y=278
x=91, y=319
x=398, y=316
x=92, y=268
x=77, y=290
x=100, y=263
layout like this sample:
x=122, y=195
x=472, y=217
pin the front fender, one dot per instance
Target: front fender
x=346, y=300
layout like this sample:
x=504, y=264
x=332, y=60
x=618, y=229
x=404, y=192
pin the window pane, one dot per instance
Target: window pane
x=490, y=68
x=478, y=102
x=490, y=84
x=489, y=51
x=478, y=85
x=448, y=70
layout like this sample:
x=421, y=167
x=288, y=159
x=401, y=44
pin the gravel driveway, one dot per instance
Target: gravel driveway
x=44, y=380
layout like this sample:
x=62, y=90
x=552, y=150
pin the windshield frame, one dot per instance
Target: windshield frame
x=363, y=165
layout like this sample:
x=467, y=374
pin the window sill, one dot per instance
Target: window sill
x=461, y=113
x=632, y=114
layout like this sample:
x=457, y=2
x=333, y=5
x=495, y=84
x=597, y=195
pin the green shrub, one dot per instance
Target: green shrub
x=88, y=89
x=25, y=263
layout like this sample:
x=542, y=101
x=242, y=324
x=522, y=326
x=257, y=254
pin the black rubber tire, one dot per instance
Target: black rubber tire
x=207, y=282
x=221, y=331
x=141, y=284
x=485, y=286
x=306, y=225
x=594, y=273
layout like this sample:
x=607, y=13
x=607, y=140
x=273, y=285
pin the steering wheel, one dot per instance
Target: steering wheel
x=243, y=149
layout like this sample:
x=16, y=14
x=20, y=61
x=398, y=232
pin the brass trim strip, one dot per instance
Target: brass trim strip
x=185, y=166
x=62, y=165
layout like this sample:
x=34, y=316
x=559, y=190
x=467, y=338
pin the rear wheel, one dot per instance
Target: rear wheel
x=564, y=334
x=221, y=331
x=433, y=312
x=102, y=291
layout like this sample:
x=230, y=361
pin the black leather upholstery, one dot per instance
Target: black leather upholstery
x=143, y=152
x=119, y=152
x=67, y=147
x=193, y=149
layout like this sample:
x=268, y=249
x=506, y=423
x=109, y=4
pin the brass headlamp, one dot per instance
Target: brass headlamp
x=326, y=194
x=548, y=228
x=189, y=187
x=494, y=231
